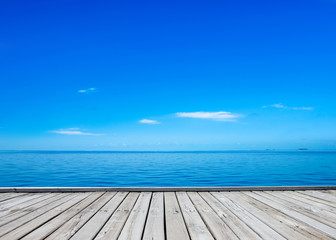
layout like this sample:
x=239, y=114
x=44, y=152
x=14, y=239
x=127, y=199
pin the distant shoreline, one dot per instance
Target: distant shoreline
x=184, y=151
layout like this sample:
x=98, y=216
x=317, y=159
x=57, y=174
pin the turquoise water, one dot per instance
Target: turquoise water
x=232, y=168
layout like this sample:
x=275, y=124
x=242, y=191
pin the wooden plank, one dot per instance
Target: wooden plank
x=314, y=199
x=288, y=227
x=307, y=209
x=135, y=223
x=216, y=226
x=258, y=226
x=325, y=196
x=13, y=215
x=195, y=225
x=23, y=206
x=240, y=228
x=12, y=203
x=10, y=226
x=162, y=189
x=52, y=225
x=93, y=226
x=114, y=225
x=309, y=202
x=69, y=228
x=6, y=196
x=175, y=225
x=332, y=192
x=272, y=202
x=154, y=228
x=29, y=226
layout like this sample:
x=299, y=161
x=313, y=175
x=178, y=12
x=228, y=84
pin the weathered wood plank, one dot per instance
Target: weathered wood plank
x=175, y=225
x=29, y=226
x=154, y=228
x=170, y=215
x=195, y=225
x=240, y=228
x=288, y=227
x=69, y=228
x=216, y=226
x=258, y=226
x=115, y=224
x=12, y=203
x=161, y=189
x=309, y=203
x=7, y=196
x=11, y=225
x=135, y=223
x=292, y=212
x=93, y=226
x=307, y=209
x=25, y=205
x=314, y=199
x=325, y=196
x=52, y=225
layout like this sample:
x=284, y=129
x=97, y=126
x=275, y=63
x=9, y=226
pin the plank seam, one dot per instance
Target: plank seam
x=185, y=224
x=148, y=209
x=290, y=209
x=56, y=215
x=73, y=217
x=92, y=215
x=207, y=226
x=128, y=215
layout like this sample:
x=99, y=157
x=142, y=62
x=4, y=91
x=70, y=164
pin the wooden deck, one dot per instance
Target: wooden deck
x=309, y=214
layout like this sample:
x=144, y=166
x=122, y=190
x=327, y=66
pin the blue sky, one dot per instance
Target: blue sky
x=167, y=75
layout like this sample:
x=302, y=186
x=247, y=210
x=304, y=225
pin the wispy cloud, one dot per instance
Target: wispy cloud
x=149, y=121
x=217, y=116
x=74, y=131
x=280, y=105
x=89, y=90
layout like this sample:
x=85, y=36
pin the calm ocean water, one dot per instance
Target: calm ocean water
x=232, y=168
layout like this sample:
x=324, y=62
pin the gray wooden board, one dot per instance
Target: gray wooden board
x=307, y=209
x=134, y=226
x=175, y=225
x=13, y=215
x=240, y=228
x=169, y=215
x=12, y=203
x=154, y=228
x=288, y=227
x=52, y=225
x=293, y=212
x=218, y=228
x=70, y=227
x=258, y=226
x=20, y=218
x=195, y=225
x=25, y=205
x=34, y=223
x=325, y=196
x=93, y=226
x=162, y=189
x=115, y=224
x=10, y=195
x=308, y=202
x=314, y=199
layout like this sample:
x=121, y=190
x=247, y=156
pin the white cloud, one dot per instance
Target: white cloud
x=74, y=131
x=280, y=105
x=217, y=116
x=148, y=121
x=89, y=90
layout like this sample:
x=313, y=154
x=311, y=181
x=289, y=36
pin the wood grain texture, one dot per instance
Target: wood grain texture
x=204, y=215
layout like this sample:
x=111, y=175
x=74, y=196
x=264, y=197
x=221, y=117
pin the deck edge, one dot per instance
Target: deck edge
x=161, y=189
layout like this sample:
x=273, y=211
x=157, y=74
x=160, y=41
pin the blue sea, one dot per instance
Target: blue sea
x=144, y=169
